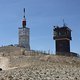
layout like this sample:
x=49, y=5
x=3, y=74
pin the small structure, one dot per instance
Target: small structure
x=24, y=34
x=62, y=37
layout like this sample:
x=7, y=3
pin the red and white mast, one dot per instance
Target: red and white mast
x=24, y=20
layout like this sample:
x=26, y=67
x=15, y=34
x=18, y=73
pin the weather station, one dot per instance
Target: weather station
x=24, y=34
x=62, y=37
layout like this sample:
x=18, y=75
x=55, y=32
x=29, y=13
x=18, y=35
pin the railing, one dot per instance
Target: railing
x=62, y=37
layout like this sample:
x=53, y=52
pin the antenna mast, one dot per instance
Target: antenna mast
x=64, y=23
x=24, y=12
x=24, y=19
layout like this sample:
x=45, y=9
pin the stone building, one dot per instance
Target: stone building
x=62, y=37
x=24, y=34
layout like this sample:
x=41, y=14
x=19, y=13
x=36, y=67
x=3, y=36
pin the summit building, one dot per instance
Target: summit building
x=24, y=34
x=62, y=37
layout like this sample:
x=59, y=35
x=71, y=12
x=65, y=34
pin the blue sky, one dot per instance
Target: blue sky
x=41, y=16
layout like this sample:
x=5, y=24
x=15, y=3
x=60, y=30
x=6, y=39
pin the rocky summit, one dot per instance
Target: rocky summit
x=18, y=64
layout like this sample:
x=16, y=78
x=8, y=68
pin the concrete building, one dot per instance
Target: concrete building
x=24, y=34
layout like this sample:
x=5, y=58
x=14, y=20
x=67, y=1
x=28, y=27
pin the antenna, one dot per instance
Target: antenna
x=24, y=19
x=64, y=23
x=24, y=12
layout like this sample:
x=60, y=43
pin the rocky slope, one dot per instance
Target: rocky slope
x=39, y=67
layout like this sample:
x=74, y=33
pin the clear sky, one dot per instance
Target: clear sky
x=41, y=16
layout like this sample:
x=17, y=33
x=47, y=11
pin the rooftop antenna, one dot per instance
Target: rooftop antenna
x=64, y=24
x=24, y=19
x=24, y=12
